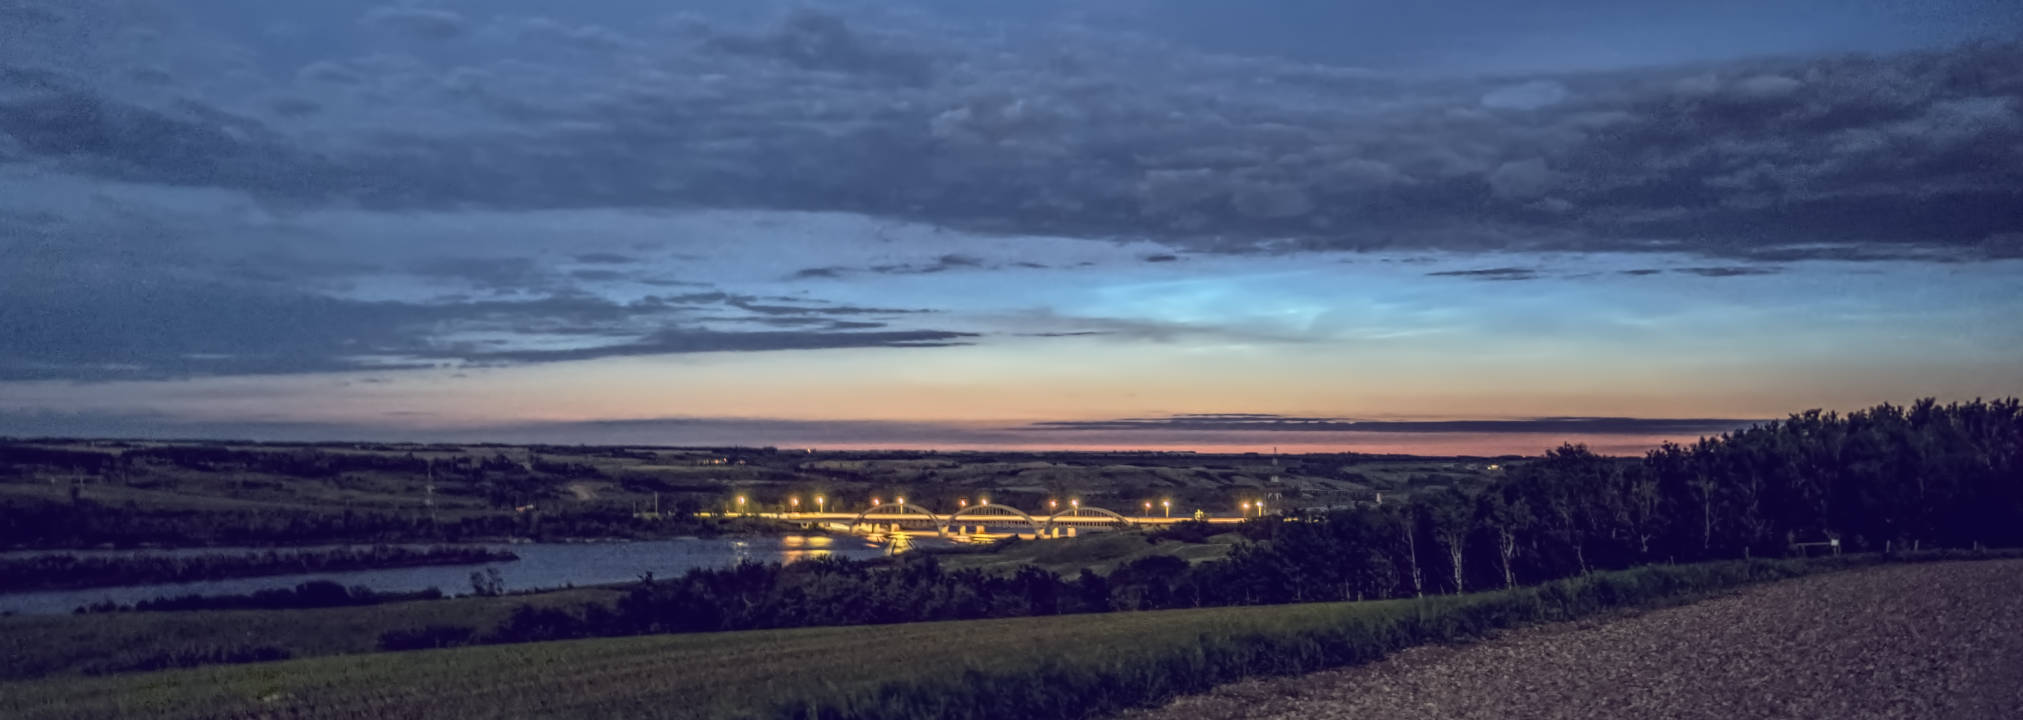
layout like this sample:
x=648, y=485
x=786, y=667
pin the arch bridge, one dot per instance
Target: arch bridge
x=903, y=510
x=1108, y=517
x=992, y=511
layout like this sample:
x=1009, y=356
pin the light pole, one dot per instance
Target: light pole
x=795, y=503
x=741, y=504
x=821, y=504
x=1148, y=508
x=1051, y=505
x=1260, y=508
x=962, y=502
x=901, y=500
x=983, y=501
x=874, y=502
x=1167, y=507
x=1246, y=508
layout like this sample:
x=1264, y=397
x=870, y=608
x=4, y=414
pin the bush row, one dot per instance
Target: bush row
x=1049, y=686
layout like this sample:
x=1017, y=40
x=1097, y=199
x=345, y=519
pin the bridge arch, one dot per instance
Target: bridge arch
x=902, y=509
x=1119, y=520
x=1007, y=510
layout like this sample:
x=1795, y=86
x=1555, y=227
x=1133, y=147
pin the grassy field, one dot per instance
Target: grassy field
x=41, y=645
x=1100, y=552
x=1064, y=666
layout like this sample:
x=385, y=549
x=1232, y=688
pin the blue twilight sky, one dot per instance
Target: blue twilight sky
x=1441, y=227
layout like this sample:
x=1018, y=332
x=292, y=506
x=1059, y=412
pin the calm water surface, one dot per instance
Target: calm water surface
x=541, y=565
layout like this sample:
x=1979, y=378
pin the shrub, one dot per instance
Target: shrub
x=427, y=638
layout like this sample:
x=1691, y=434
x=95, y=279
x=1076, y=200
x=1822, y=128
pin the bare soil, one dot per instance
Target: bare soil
x=1942, y=640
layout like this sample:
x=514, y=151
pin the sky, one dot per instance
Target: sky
x=1454, y=227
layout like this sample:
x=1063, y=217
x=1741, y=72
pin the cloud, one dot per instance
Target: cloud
x=191, y=145
x=1530, y=95
x=1906, y=156
x=73, y=320
x=1219, y=422
x=815, y=40
x=490, y=273
x=1049, y=323
x=294, y=107
x=818, y=272
x=1522, y=179
x=1502, y=273
x=1729, y=271
x=605, y=259
x=1629, y=435
x=416, y=22
x=940, y=264
x=679, y=341
x=758, y=305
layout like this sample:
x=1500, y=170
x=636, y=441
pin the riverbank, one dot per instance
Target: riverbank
x=541, y=566
x=57, y=571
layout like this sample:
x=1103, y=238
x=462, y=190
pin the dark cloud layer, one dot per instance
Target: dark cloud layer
x=1916, y=155
x=170, y=328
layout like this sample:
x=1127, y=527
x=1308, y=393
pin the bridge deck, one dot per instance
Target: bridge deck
x=985, y=519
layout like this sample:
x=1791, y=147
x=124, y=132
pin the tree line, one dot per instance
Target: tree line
x=312, y=594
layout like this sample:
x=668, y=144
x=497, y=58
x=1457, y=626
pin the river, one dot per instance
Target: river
x=541, y=566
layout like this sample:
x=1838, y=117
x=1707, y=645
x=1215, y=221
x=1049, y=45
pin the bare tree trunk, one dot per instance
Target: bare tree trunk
x=1412, y=551
x=1706, y=521
x=1454, y=554
x=1506, y=546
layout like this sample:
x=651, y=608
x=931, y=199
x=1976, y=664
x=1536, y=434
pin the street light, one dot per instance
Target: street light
x=962, y=502
x=1260, y=508
x=1167, y=505
x=983, y=501
x=874, y=502
x=795, y=501
x=901, y=500
x=821, y=504
x=1148, y=508
x=1246, y=508
x=1052, y=503
x=741, y=504
x=1077, y=504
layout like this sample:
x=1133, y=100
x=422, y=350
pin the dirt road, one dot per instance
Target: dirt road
x=1929, y=641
